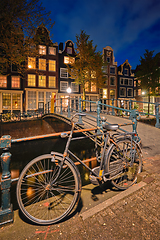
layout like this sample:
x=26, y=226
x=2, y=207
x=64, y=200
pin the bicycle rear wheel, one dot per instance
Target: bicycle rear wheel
x=47, y=193
x=124, y=162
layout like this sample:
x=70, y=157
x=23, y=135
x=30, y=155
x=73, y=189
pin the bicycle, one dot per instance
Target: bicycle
x=49, y=186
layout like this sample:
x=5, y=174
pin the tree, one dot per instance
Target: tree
x=18, y=22
x=87, y=69
x=148, y=73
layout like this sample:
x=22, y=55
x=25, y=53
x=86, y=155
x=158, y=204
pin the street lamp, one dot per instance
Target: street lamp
x=69, y=90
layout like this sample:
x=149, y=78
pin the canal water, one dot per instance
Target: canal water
x=24, y=152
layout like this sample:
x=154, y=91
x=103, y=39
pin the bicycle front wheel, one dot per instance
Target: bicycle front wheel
x=124, y=162
x=46, y=192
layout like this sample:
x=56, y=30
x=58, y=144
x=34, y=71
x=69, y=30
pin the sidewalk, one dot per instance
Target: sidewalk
x=135, y=216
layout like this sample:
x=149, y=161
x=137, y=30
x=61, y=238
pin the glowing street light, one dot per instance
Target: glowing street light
x=69, y=90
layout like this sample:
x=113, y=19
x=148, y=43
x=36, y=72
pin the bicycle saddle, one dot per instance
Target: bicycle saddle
x=110, y=127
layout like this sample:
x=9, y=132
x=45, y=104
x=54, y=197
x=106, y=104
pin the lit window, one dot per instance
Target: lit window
x=69, y=60
x=104, y=92
x=41, y=96
x=52, y=65
x=31, y=80
x=112, y=70
x=69, y=50
x=52, y=50
x=3, y=81
x=42, y=81
x=52, y=82
x=42, y=64
x=86, y=86
x=6, y=101
x=93, y=87
x=16, y=101
x=31, y=100
x=112, y=93
x=74, y=87
x=15, y=82
x=42, y=50
x=129, y=92
x=139, y=92
x=63, y=73
x=112, y=81
x=63, y=86
x=122, y=92
x=32, y=63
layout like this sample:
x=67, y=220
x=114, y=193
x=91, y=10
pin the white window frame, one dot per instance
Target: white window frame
x=50, y=80
x=112, y=67
x=127, y=92
x=42, y=64
x=126, y=69
x=41, y=78
x=130, y=81
x=50, y=64
x=63, y=88
x=63, y=73
x=28, y=80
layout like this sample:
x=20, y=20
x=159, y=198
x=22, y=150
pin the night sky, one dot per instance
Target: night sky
x=128, y=26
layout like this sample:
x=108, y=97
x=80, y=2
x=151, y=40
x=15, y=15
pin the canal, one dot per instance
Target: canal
x=24, y=152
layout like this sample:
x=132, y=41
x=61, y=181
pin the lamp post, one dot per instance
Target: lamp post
x=69, y=90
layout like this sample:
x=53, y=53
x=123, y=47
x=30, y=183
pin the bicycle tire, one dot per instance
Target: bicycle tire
x=41, y=202
x=124, y=163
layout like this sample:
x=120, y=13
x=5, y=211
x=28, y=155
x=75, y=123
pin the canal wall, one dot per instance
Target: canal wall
x=34, y=127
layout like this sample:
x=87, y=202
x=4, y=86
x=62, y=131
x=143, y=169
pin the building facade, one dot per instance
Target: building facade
x=41, y=80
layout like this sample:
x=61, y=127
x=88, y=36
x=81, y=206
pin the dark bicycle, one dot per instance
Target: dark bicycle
x=50, y=185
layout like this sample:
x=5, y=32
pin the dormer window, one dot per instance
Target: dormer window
x=125, y=71
x=52, y=50
x=69, y=50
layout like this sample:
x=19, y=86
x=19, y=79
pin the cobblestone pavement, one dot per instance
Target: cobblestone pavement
x=135, y=217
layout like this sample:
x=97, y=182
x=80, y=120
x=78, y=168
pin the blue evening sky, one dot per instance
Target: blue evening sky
x=128, y=26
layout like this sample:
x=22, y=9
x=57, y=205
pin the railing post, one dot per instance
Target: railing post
x=6, y=212
x=80, y=110
x=157, y=125
x=113, y=113
x=133, y=117
x=61, y=106
x=69, y=114
x=98, y=113
x=130, y=104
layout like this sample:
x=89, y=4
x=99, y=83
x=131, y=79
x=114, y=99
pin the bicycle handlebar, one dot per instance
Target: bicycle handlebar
x=78, y=114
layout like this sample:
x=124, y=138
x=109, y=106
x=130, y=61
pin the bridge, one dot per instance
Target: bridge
x=149, y=135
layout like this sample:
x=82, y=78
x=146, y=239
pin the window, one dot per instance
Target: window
x=86, y=86
x=31, y=80
x=63, y=86
x=69, y=50
x=129, y=92
x=112, y=70
x=31, y=100
x=74, y=87
x=40, y=96
x=52, y=65
x=16, y=101
x=63, y=73
x=52, y=50
x=104, y=69
x=3, y=81
x=42, y=50
x=48, y=96
x=130, y=82
x=108, y=59
x=112, y=81
x=6, y=101
x=121, y=81
x=69, y=60
x=139, y=92
x=125, y=71
x=32, y=63
x=15, y=82
x=42, y=81
x=14, y=67
x=125, y=81
x=112, y=93
x=42, y=64
x=93, y=87
x=122, y=92
x=52, y=82
x=104, y=92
